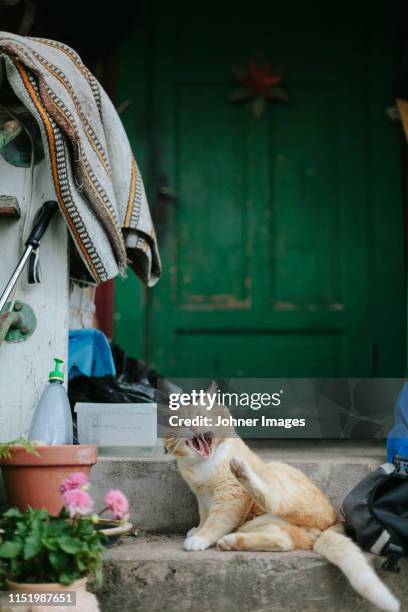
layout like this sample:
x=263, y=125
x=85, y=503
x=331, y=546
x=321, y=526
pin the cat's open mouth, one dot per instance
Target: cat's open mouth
x=201, y=444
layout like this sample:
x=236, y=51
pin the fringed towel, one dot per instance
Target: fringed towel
x=97, y=181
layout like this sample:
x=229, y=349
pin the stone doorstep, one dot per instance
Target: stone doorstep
x=153, y=573
x=161, y=502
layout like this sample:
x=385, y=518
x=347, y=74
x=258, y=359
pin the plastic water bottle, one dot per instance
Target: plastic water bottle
x=52, y=420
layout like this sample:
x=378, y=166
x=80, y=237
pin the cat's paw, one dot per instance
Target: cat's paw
x=239, y=469
x=191, y=532
x=196, y=543
x=228, y=542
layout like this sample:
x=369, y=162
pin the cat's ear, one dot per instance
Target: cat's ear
x=212, y=388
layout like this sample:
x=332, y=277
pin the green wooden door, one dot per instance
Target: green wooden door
x=283, y=253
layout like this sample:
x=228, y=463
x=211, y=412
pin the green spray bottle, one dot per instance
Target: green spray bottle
x=52, y=420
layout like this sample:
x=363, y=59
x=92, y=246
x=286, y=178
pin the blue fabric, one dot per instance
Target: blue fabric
x=89, y=354
x=397, y=441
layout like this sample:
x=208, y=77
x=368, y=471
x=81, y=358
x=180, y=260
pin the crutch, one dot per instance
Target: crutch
x=41, y=222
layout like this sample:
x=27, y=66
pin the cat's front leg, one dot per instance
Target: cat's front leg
x=192, y=531
x=207, y=536
x=222, y=519
x=195, y=542
x=203, y=514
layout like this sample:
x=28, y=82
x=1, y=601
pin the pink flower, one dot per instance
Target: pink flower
x=117, y=503
x=77, y=501
x=76, y=480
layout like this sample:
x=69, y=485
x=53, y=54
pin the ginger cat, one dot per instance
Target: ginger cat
x=246, y=504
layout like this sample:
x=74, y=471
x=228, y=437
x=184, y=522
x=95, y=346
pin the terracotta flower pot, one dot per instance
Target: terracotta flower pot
x=34, y=481
x=85, y=601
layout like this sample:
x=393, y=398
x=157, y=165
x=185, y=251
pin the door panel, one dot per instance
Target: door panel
x=305, y=203
x=211, y=166
x=283, y=253
x=262, y=353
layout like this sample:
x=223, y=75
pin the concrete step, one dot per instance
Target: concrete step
x=162, y=503
x=153, y=573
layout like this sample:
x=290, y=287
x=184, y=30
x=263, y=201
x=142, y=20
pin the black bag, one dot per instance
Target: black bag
x=376, y=512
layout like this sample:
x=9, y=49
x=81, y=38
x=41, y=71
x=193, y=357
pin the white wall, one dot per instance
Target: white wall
x=24, y=366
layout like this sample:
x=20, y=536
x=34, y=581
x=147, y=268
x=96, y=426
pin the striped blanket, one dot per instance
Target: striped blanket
x=97, y=181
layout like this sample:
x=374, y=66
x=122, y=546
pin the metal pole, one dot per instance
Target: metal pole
x=41, y=222
x=9, y=288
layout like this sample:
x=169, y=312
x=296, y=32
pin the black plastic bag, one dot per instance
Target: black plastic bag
x=109, y=390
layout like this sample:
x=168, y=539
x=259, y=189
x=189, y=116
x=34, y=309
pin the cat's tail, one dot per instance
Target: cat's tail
x=341, y=551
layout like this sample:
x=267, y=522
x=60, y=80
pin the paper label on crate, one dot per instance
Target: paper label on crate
x=117, y=424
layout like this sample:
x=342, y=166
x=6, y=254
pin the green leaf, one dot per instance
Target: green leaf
x=6, y=447
x=50, y=543
x=67, y=577
x=28, y=446
x=14, y=566
x=63, y=513
x=58, y=526
x=32, y=547
x=39, y=513
x=70, y=545
x=13, y=512
x=58, y=560
x=9, y=550
x=85, y=528
x=21, y=528
x=5, y=451
x=36, y=526
x=80, y=564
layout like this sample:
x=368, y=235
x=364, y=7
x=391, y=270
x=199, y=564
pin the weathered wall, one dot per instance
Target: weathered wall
x=24, y=366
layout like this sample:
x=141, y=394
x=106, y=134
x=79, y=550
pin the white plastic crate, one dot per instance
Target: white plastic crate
x=119, y=426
